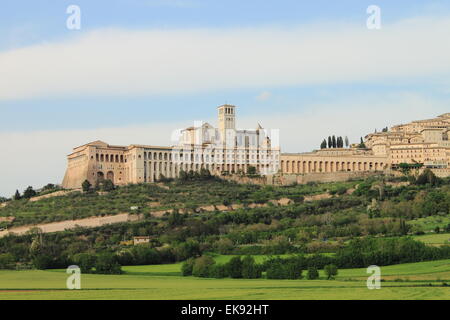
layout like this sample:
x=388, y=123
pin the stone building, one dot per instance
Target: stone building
x=333, y=160
x=419, y=142
x=220, y=150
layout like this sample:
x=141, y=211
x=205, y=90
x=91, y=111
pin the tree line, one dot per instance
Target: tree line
x=334, y=142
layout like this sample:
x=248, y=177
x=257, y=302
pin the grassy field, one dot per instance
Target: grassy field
x=430, y=223
x=436, y=239
x=423, y=280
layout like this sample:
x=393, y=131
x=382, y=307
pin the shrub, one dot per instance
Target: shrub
x=275, y=271
x=250, y=270
x=202, y=266
x=42, y=261
x=427, y=177
x=331, y=271
x=86, y=186
x=234, y=267
x=293, y=271
x=312, y=274
x=106, y=263
x=6, y=261
x=218, y=271
x=186, y=267
x=85, y=261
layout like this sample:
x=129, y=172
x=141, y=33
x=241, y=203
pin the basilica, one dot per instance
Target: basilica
x=226, y=150
x=221, y=150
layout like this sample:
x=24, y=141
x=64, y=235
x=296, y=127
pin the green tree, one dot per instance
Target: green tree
x=250, y=270
x=340, y=142
x=188, y=249
x=42, y=261
x=427, y=177
x=251, y=170
x=85, y=261
x=6, y=261
x=362, y=145
x=187, y=266
x=293, y=270
x=202, y=266
x=224, y=246
x=29, y=193
x=218, y=271
x=106, y=263
x=234, y=267
x=17, y=195
x=331, y=271
x=107, y=185
x=205, y=174
x=183, y=176
x=175, y=219
x=323, y=145
x=49, y=186
x=86, y=186
x=312, y=274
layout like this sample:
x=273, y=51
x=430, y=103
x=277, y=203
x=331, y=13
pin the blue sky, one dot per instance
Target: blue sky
x=305, y=67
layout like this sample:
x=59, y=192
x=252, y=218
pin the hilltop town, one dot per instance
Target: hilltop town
x=226, y=150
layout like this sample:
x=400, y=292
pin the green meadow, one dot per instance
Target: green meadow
x=436, y=239
x=424, y=280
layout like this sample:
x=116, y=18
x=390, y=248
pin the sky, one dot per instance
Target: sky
x=136, y=70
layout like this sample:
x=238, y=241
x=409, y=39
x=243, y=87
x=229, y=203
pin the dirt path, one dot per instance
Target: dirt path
x=70, y=224
x=93, y=222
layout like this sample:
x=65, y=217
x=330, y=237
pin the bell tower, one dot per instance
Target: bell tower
x=227, y=120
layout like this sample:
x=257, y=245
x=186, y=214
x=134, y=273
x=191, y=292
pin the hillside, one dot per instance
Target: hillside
x=208, y=215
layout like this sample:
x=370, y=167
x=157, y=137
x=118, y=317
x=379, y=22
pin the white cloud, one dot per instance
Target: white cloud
x=123, y=62
x=264, y=96
x=37, y=158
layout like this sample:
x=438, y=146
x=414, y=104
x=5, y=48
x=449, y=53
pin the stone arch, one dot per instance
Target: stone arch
x=100, y=176
x=110, y=176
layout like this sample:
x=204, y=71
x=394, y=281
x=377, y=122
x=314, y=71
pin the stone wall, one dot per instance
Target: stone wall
x=322, y=177
x=289, y=179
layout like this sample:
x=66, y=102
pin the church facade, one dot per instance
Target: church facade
x=221, y=150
